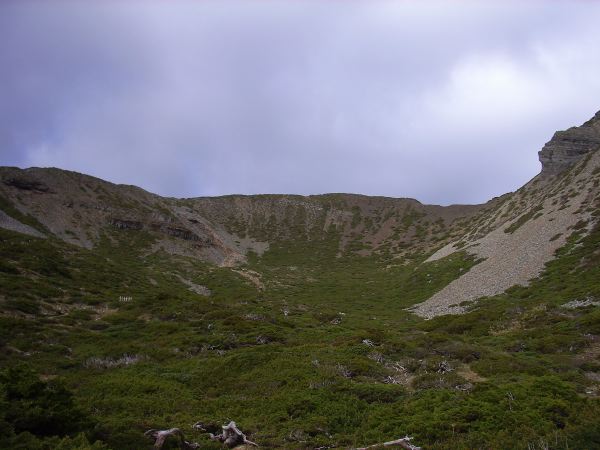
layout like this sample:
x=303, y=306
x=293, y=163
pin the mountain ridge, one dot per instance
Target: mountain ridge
x=224, y=230
x=314, y=322
x=55, y=187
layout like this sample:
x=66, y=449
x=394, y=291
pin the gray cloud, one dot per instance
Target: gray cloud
x=444, y=102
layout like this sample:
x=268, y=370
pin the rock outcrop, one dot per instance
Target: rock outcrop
x=27, y=184
x=123, y=224
x=568, y=147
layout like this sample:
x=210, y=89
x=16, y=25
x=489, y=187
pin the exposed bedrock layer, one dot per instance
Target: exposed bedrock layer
x=569, y=146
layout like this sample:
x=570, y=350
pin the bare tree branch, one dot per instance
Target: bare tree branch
x=403, y=443
x=232, y=436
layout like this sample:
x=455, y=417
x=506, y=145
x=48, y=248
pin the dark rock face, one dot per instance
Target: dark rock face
x=176, y=232
x=568, y=147
x=126, y=224
x=182, y=233
x=26, y=184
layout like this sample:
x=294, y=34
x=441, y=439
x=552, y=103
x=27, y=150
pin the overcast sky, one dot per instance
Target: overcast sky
x=446, y=102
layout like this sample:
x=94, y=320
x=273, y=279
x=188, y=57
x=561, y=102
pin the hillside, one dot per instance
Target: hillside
x=78, y=209
x=328, y=321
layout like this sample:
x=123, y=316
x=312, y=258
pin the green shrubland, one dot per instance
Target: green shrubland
x=324, y=355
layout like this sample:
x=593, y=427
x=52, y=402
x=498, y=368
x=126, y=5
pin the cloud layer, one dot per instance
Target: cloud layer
x=446, y=102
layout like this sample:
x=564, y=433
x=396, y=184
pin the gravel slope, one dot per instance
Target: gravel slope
x=515, y=258
x=12, y=224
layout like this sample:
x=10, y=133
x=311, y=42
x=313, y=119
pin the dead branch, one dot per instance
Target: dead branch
x=231, y=436
x=403, y=443
x=161, y=436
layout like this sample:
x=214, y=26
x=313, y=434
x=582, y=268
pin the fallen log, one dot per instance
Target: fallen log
x=161, y=436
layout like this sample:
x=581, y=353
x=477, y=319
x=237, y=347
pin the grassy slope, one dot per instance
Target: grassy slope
x=305, y=378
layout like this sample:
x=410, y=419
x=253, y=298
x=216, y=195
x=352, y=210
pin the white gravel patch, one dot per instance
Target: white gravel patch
x=196, y=288
x=446, y=250
x=12, y=224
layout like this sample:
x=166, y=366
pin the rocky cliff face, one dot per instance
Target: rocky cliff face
x=568, y=147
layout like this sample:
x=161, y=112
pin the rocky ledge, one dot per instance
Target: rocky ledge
x=569, y=146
